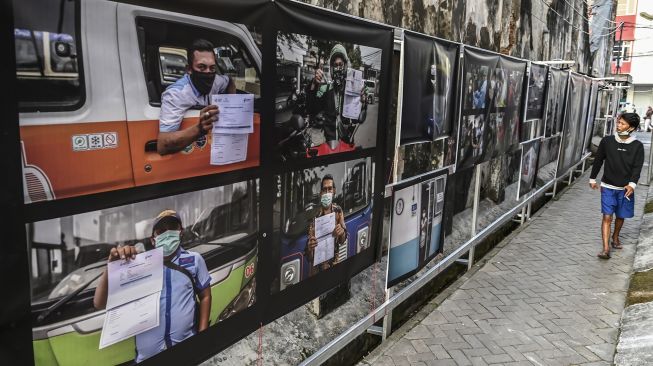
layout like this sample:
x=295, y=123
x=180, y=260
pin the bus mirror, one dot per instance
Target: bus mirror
x=62, y=49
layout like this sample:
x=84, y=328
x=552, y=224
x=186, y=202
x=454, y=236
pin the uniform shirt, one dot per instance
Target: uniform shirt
x=176, y=306
x=181, y=96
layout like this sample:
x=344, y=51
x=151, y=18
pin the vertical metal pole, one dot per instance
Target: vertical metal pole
x=400, y=98
x=387, y=319
x=477, y=197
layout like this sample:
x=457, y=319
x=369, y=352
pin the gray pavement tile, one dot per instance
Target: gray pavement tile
x=542, y=299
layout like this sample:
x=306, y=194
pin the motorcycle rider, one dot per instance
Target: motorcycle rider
x=325, y=100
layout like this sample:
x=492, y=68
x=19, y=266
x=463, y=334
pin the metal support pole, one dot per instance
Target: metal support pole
x=387, y=319
x=477, y=197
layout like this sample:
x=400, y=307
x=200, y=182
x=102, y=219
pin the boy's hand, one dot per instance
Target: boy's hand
x=125, y=252
x=594, y=186
x=629, y=191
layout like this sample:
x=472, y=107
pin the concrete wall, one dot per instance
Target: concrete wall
x=529, y=29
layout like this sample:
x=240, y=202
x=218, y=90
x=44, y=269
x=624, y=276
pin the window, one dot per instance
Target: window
x=48, y=64
x=220, y=223
x=622, y=51
x=163, y=47
x=626, y=7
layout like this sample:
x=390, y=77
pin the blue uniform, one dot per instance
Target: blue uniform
x=177, y=306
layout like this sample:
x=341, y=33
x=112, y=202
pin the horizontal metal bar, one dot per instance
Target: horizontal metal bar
x=331, y=348
x=376, y=330
x=462, y=261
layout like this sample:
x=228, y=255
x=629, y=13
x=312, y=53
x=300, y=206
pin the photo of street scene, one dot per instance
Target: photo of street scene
x=322, y=217
x=530, y=152
x=76, y=271
x=476, y=85
x=327, y=96
x=472, y=140
x=536, y=91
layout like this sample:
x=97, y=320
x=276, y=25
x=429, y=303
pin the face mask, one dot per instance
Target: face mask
x=203, y=81
x=326, y=199
x=168, y=241
x=624, y=133
x=339, y=77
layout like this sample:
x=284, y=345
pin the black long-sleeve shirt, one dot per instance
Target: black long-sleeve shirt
x=623, y=161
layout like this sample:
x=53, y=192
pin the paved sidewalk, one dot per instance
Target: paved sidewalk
x=543, y=298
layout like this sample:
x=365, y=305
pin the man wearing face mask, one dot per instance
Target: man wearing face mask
x=328, y=98
x=327, y=192
x=185, y=277
x=624, y=157
x=195, y=88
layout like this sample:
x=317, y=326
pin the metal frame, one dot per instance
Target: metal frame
x=385, y=309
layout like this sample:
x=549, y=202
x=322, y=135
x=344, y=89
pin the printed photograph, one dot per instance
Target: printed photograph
x=428, y=105
x=190, y=262
x=322, y=217
x=472, y=140
x=327, y=96
x=530, y=152
x=476, y=85
x=152, y=117
x=536, y=91
x=416, y=227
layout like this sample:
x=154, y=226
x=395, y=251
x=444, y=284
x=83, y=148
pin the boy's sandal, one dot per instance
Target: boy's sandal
x=617, y=245
x=604, y=255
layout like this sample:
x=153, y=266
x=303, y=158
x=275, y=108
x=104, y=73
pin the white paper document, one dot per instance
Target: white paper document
x=236, y=113
x=130, y=319
x=324, y=225
x=324, y=250
x=228, y=148
x=352, y=106
x=136, y=278
x=354, y=82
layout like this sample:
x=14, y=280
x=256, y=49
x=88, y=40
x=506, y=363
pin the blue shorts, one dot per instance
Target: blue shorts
x=613, y=201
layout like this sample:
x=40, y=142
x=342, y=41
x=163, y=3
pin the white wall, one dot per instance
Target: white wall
x=642, y=67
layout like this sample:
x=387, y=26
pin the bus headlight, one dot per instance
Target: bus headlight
x=289, y=274
x=363, y=241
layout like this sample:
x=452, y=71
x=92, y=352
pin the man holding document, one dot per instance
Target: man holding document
x=195, y=88
x=166, y=310
x=327, y=232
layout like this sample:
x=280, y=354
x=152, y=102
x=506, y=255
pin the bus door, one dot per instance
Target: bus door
x=153, y=56
x=72, y=116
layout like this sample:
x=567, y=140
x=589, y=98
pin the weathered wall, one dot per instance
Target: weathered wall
x=529, y=29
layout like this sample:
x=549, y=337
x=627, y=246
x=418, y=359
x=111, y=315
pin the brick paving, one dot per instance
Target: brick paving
x=542, y=298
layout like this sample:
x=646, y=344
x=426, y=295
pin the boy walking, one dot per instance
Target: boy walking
x=623, y=156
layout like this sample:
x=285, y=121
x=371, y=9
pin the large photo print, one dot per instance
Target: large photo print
x=416, y=234
x=178, y=99
x=327, y=96
x=179, y=264
x=322, y=217
x=429, y=96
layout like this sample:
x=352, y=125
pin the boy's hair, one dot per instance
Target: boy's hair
x=201, y=45
x=632, y=119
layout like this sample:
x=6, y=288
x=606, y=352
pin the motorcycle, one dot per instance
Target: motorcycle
x=295, y=134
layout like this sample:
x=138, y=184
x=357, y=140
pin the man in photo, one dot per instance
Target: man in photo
x=327, y=193
x=194, y=89
x=326, y=100
x=185, y=277
x=624, y=157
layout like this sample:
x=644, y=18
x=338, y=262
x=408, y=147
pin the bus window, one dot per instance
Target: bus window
x=47, y=59
x=220, y=223
x=163, y=51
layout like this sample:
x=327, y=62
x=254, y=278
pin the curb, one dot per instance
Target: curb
x=635, y=342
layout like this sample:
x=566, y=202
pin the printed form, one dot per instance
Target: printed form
x=133, y=297
x=324, y=226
